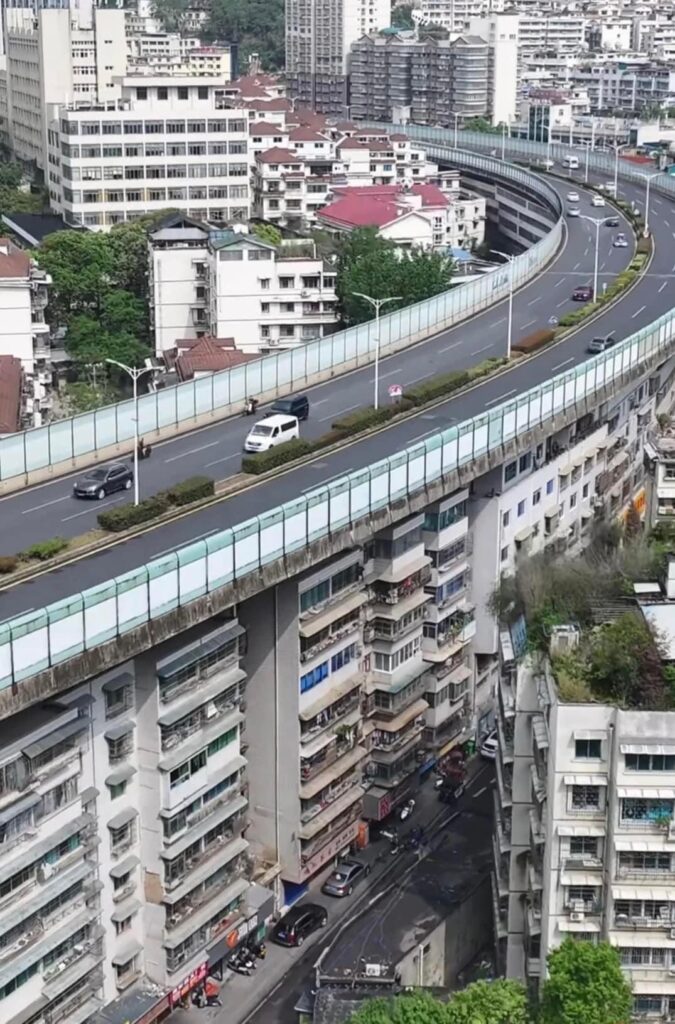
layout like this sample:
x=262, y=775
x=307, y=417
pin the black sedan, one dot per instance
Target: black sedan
x=101, y=482
x=298, y=923
x=342, y=881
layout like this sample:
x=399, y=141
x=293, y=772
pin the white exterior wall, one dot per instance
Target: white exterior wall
x=501, y=33
x=16, y=335
x=174, y=287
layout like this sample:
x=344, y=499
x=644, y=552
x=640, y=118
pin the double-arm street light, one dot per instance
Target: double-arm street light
x=509, y=329
x=598, y=221
x=135, y=373
x=617, y=150
x=648, y=179
x=377, y=305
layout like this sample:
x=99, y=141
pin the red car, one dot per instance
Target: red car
x=584, y=293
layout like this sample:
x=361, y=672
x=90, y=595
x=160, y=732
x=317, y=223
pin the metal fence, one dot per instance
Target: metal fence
x=285, y=371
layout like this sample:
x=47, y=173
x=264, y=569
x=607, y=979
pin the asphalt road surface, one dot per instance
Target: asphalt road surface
x=50, y=510
x=477, y=339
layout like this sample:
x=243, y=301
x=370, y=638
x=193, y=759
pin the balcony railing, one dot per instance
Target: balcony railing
x=310, y=847
x=332, y=715
x=329, y=755
x=387, y=743
x=329, y=796
x=399, y=591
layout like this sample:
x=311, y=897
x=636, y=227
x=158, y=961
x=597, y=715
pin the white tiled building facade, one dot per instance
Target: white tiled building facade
x=170, y=143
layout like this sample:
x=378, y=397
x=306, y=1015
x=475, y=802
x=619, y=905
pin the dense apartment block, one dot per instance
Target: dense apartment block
x=319, y=34
x=426, y=81
x=230, y=284
x=170, y=143
x=24, y=335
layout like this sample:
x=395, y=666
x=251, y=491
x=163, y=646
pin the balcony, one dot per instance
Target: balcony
x=386, y=746
x=396, y=592
x=332, y=773
x=203, y=887
x=337, y=746
x=226, y=843
x=335, y=828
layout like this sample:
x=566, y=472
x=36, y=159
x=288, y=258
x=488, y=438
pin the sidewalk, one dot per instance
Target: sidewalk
x=241, y=996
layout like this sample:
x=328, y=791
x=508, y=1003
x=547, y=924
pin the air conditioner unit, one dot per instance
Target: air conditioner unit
x=272, y=341
x=305, y=293
x=577, y=915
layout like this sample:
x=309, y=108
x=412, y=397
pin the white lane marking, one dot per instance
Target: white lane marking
x=586, y=251
x=538, y=299
x=393, y=373
x=663, y=286
x=422, y=376
x=500, y=398
x=576, y=266
x=339, y=412
x=666, y=222
x=45, y=504
x=447, y=348
x=168, y=551
x=225, y=458
x=602, y=265
x=320, y=402
x=193, y=451
x=559, y=304
x=86, y=512
x=637, y=312
x=657, y=201
x=502, y=320
x=564, y=363
x=558, y=283
x=483, y=349
x=479, y=792
x=528, y=324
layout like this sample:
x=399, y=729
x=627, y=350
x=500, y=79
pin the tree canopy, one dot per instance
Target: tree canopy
x=585, y=986
x=373, y=266
x=256, y=25
x=483, y=1002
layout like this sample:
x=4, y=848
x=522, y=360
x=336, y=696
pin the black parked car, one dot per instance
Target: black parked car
x=298, y=923
x=296, y=405
x=100, y=482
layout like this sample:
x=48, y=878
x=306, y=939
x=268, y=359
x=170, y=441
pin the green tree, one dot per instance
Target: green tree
x=268, y=233
x=489, y=1002
x=82, y=267
x=481, y=124
x=256, y=25
x=15, y=200
x=373, y=266
x=413, y=1008
x=11, y=175
x=585, y=985
x=401, y=16
x=624, y=664
x=171, y=14
x=123, y=313
x=89, y=345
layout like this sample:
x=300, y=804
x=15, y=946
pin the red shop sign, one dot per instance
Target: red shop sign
x=193, y=979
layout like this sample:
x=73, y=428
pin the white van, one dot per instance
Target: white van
x=270, y=432
x=572, y=162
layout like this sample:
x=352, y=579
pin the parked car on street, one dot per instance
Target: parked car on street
x=98, y=483
x=299, y=923
x=488, y=748
x=346, y=875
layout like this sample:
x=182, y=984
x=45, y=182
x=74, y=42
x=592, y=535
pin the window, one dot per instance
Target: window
x=573, y=501
x=287, y=282
x=650, y=762
x=549, y=487
x=313, y=678
x=264, y=283
x=585, y=798
x=584, y=492
x=536, y=497
x=583, y=846
x=344, y=657
x=588, y=748
x=642, y=956
x=124, y=925
x=186, y=770
x=524, y=462
x=643, y=810
x=288, y=307
x=505, y=553
x=162, y=92
x=506, y=516
x=202, y=92
x=521, y=508
x=141, y=93
x=117, y=789
x=264, y=307
x=117, y=700
x=510, y=471
x=231, y=256
x=182, y=92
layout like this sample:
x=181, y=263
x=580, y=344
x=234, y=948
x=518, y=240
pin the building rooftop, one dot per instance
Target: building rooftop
x=33, y=228
x=265, y=128
x=131, y=1005
x=14, y=262
x=277, y=155
x=207, y=355
x=377, y=205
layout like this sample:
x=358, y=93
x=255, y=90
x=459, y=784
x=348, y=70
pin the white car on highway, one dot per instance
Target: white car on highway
x=620, y=241
x=573, y=211
x=598, y=200
x=572, y=197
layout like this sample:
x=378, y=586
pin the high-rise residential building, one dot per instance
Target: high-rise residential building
x=455, y=15
x=426, y=80
x=501, y=33
x=56, y=56
x=170, y=143
x=319, y=34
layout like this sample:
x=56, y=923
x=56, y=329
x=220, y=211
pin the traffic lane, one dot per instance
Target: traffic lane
x=51, y=509
x=471, y=816
x=636, y=310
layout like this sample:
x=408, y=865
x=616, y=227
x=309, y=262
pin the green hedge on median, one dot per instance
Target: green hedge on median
x=193, y=489
x=45, y=549
x=264, y=461
x=364, y=419
x=115, y=520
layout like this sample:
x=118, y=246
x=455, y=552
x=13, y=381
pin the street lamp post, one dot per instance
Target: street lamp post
x=598, y=221
x=648, y=179
x=504, y=127
x=377, y=305
x=509, y=329
x=135, y=373
x=456, y=117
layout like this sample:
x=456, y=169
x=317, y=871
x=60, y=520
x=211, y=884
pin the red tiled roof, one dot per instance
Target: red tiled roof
x=10, y=394
x=375, y=206
x=303, y=134
x=277, y=155
x=278, y=103
x=265, y=128
x=14, y=262
x=398, y=138
x=208, y=355
x=352, y=144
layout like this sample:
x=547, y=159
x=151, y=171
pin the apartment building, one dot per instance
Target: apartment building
x=292, y=182
x=501, y=34
x=54, y=56
x=541, y=32
x=420, y=215
x=183, y=57
x=319, y=34
x=169, y=142
x=583, y=841
x=627, y=85
x=455, y=15
x=430, y=80
x=23, y=331
x=231, y=284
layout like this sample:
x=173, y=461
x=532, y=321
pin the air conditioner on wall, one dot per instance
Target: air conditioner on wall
x=577, y=915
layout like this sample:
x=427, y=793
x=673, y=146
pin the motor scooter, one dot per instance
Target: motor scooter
x=406, y=810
